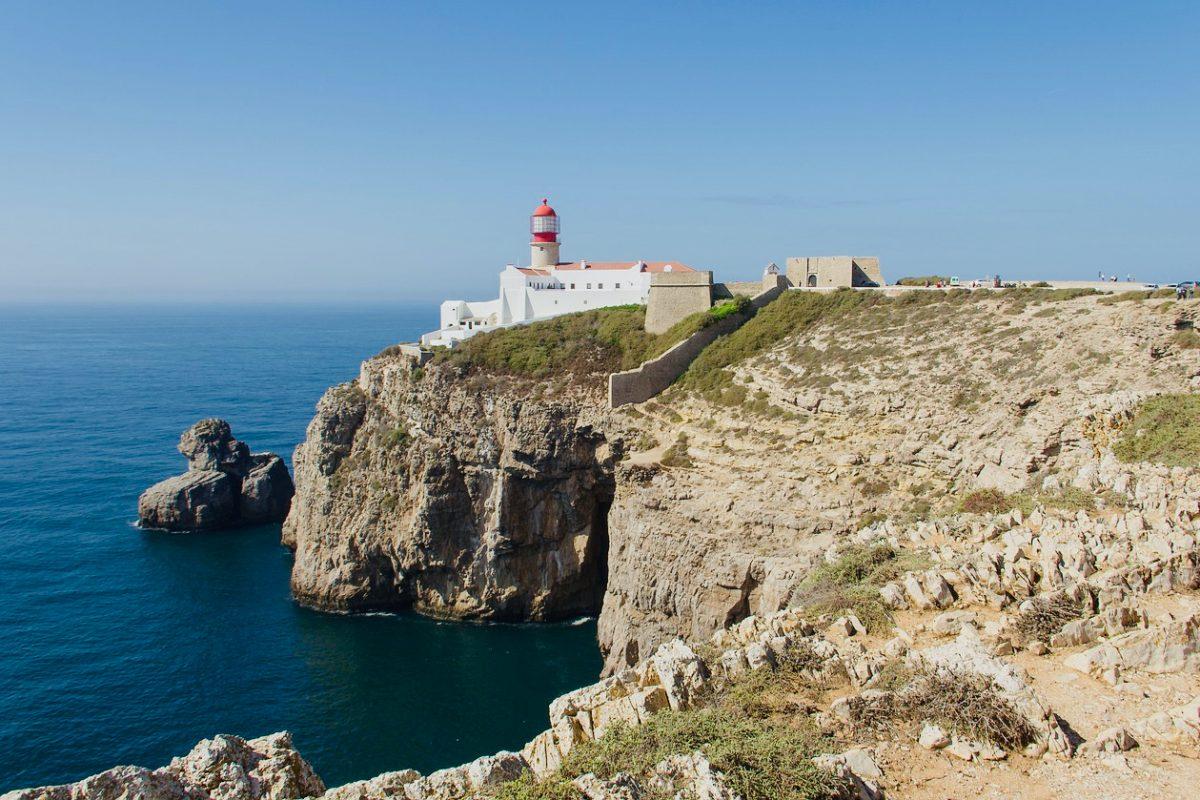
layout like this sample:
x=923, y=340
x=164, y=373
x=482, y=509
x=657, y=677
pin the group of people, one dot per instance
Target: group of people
x=1183, y=292
x=1113, y=278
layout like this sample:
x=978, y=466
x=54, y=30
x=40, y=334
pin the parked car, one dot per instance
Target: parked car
x=1187, y=285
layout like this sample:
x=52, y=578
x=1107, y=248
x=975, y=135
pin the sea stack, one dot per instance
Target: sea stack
x=225, y=485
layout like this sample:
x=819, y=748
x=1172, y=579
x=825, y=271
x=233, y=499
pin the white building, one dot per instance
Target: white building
x=548, y=287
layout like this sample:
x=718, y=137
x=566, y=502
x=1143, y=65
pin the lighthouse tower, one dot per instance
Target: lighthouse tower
x=543, y=247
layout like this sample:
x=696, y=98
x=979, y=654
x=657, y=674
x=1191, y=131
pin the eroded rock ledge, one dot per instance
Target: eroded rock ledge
x=418, y=488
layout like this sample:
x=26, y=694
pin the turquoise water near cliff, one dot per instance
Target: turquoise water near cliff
x=119, y=646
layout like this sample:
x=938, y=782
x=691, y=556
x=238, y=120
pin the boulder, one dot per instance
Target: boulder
x=221, y=768
x=225, y=486
x=690, y=776
x=195, y=500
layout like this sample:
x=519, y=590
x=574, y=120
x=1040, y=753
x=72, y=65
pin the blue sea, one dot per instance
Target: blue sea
x=121, y=646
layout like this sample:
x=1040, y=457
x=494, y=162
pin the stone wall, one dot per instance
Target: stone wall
x=653, y=376
x=821, y=272
x=675, y=295
x=728, y=289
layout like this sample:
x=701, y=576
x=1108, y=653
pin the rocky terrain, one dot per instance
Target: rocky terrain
x=937, y=546
x=225, y=485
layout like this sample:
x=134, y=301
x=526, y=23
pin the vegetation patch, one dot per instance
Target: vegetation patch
x=792, y=312
x=394, y=437
x=924, y=280
x=1186, y=339
x=1164, y=430
x=1069, y=498
x=677, y=454
x=966, y=704
x=1136, y=296
x=850, y=583
x=993, y=501
x=587, y=345
x=694, y=323
x=1046, y=616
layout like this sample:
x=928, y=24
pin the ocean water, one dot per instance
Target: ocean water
x=120, y=646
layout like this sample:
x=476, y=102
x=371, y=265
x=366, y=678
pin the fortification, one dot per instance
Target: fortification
x=834, y=271
x=653, y=376
x=675, y=295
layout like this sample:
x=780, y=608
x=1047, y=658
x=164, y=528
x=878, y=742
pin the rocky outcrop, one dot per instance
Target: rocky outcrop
x=221, y=768
x=487, y=497
x=225, y=486
x=457, y=497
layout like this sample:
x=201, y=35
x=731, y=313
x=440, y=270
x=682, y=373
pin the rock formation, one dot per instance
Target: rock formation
x=422, y=490
x=496, y=497
x=221, y=768
x=225, y=486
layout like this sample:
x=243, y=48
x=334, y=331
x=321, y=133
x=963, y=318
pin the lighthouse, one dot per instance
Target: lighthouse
x=543, y=245
x=549, y=287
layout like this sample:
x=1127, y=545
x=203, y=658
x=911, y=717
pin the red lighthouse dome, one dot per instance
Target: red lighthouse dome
x=543, y=224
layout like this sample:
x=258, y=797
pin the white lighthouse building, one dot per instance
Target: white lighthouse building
x=548, y=287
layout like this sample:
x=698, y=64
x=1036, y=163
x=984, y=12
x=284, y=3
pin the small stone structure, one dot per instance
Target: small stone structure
x=675, y=295
x=834, y=271
x=653, y=376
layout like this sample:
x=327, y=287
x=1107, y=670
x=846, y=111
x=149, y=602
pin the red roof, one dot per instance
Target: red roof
x=544, y=210
x=650, y=266
x=533, y=271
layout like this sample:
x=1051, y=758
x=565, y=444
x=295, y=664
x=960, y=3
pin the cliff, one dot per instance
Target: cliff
x=472, y=493
x=464, y=498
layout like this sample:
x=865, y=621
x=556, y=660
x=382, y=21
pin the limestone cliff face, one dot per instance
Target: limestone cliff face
x=453, y=496
x=850, y=428
x=503, y=499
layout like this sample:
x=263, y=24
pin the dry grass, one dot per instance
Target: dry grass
x=1046, y=616
x=969, y=705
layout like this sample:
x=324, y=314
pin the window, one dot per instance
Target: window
x=600, y=286
x=589, y=286
x=572, y=286
x=618, y=286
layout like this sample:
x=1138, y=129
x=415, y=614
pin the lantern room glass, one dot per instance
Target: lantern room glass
x=543, y=224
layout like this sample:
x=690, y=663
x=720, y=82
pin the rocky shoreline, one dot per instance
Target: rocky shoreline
x=1033, y=572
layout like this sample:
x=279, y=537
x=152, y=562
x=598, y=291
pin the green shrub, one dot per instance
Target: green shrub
x=993, y=501
x=527, y=787
x=922, y=280
x=395, y=437
x=761, y=759
x=677, y=454
x=587, y=345
x=1164, y=430
x=850, y=583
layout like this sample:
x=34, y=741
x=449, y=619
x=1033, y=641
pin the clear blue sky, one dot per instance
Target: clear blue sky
x=380, y=151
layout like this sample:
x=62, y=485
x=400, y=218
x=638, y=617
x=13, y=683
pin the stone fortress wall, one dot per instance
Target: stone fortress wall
x=675, y=295
x=653, y=376
x=817, y=272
